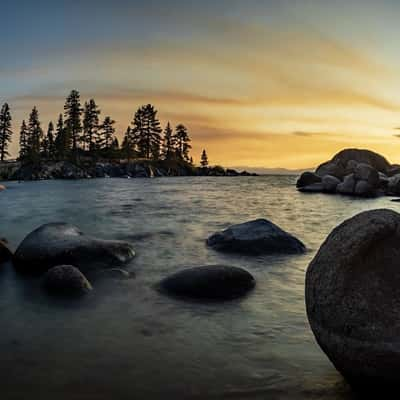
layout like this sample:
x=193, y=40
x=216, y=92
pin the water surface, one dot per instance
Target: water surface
x=126, y=340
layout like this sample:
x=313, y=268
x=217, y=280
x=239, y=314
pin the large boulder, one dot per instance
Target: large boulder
x=353, y=298
x=66, y=280
x=254, y=238
x=367, y=173
x=394, y=185
x=307, y=178
x=330, y=183
x=215, y=282
x=347, y=186
x=59, y=243
x=371, y=158
x=5, y=251
x=334, y=168
x=364, y=189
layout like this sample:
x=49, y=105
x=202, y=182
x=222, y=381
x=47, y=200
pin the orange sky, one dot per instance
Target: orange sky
x=268, y=86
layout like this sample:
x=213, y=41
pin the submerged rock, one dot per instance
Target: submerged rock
x=5, y=251
x=66, y=280
x=255, y=237
x=60, y=243
x=353, y=298
x=216, y=282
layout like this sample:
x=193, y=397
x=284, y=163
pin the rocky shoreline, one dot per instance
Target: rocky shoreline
x=353, y=172
x=88, y=170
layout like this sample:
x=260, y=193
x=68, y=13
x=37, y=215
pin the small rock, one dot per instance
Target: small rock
x=307, y=178
x=66, y=280
x=254, y=238
x=217, y=282
x=364, y=189
x=2, y=187
x=365, y=172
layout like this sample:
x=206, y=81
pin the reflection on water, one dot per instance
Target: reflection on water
x=126, y=340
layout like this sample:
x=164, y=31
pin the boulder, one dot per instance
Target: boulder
x=394, y=185
x=308, y=178
x=330, y=183
x=60, y=243
x=364, y=189
x=347, y=186
x=216, y=282
x=383, y=181
x=371, y=158
x=393, y=170
x=353, y=299
x=5, y=252
x=66, y=280
x=334, y=168
x=351, y=166
x=313, y=188
x=2, y=187
x=254, y=238
x=367, y=173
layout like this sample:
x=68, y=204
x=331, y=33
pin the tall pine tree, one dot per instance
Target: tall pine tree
x=128, y=144
x=147, y=132
x=72, y=113
x=204, y=159
x=91, y=114
x=182, y=142
x=169, y=143
x=35, y=136
x=50, y=141
x=23, y=141
x=106, y=134
x=62, y=141
x=5, y=130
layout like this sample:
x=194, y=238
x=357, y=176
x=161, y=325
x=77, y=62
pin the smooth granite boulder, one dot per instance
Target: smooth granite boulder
x=66, y=280
x=5, y=251
x=353, y=299
x=333, y=168
x=347, y=186
x=369, y=157
x=364, y=189
x=59, y=244
x=330, y=183
x=394, y=185
x=214, y=282
x=254, y=238
x=307, y=178
x=367, y=173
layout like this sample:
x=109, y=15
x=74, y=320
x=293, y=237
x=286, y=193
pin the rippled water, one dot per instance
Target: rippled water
x=126, y=340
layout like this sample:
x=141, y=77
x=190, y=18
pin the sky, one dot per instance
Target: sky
x=258, y=83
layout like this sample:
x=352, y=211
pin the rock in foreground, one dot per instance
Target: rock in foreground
x=66, y=280
x=255, y=238
x=353, y=298
x=216, y=282
x=60, y=244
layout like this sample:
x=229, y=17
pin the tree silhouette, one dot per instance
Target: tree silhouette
x=35, y=136
x=50, y=141
x=169, y=143
x=146, y=132
x=62, y=140
x=182, y=142
x=204, y=159
x=23, y=141
x=90, y=124
x=72, y=113
x=106, y=134
x=5, y=130
x=128, y=144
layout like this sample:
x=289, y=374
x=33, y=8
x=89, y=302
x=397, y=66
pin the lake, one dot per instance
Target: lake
x=126, y=340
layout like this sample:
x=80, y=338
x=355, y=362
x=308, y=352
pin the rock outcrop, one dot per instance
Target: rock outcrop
x=63, y=244
x=215, y=282
x=254, y=238
x=353, y=172
x=353, y=298
x=5, y=252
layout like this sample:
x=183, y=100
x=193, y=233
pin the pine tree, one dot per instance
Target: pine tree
x=128, y=144
x=35, y=136
x=106, y=134
x=62, y=141
x=90, y=124
x=50, y=141
x=23, y=141
x=182, y=141
x=72, y=113
x=204, y=159
x=169, y=143
x=5, y=130
x=147, y=132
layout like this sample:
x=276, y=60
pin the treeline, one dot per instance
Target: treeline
x=80, y=132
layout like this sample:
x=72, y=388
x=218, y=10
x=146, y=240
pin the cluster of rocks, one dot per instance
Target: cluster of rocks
x=134, y=169
x=64, y=256
x=353, y=172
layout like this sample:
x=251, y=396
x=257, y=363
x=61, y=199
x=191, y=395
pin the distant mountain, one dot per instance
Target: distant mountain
x=274, y=171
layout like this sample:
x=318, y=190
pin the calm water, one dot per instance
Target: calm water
x=126, y=340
